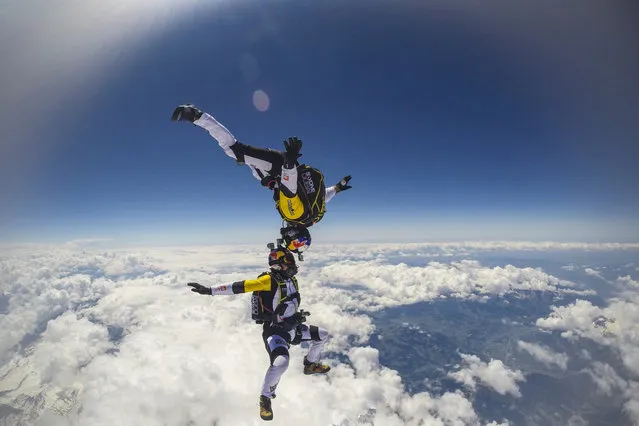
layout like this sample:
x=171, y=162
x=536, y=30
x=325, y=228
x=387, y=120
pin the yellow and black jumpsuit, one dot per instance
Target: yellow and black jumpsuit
x=281, y=299
x=300, y=194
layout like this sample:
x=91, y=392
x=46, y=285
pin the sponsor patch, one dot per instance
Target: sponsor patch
x=308, y=182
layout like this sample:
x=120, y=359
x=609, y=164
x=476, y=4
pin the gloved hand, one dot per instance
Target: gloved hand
x=343, y=185
x=187, y=112
x=269, y=181
x=300, y=316
x=293, y=146
x=199, y=288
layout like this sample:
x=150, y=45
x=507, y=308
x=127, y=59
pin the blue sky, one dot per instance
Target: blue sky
x=456, y=122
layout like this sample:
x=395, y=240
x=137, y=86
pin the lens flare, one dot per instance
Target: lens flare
x=261, y=100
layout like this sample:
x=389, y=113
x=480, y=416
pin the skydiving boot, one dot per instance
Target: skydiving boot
x=266, y=413
x=315, y=367
x=187, y=112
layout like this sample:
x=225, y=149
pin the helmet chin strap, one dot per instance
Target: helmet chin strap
x=290, y=272
x=293, y=270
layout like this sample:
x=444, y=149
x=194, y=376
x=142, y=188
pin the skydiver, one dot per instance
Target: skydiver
x=300, y=194
x=282, y=320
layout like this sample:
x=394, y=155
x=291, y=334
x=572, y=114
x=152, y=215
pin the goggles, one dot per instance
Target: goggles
x=277, y=258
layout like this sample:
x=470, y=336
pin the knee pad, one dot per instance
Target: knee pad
x=318, y=334
x=277, y=353
x=238, y=150
x=280, y=361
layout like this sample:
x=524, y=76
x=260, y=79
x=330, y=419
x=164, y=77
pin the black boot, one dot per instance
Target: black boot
x=266, y=413
x=188, y=112
x=315, y=367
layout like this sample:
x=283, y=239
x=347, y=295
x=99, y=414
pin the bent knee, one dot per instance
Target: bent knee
x=323, y=334
x=281, y=361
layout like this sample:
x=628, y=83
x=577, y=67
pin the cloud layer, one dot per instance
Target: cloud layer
x=493, y=374
x=544, y=354
x=92, y=336
x=615, y=325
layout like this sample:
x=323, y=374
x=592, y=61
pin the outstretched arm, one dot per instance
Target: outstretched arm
x=288, y=180
x=340, y=186
x=246, y=286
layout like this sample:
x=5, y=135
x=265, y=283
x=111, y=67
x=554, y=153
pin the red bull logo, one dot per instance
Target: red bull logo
x=276, y=255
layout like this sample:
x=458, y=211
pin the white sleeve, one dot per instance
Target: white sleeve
x=222, y=289
x=289, y=180
x=330, y=193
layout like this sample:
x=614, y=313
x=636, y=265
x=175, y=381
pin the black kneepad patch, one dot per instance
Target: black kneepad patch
x=280, y=350
x=315, y=333
x=238, y=150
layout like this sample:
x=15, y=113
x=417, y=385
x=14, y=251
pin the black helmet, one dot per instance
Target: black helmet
x=282, y=262
x=296, y=238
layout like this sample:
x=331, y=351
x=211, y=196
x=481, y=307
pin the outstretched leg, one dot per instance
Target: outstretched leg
x=261, y=161
x=264, y=163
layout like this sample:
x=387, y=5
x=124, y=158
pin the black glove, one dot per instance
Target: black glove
x=293, y=146
x=269, y=181
x=300, y=316
x=199, y=288
x=188, y=112
x=343, y=185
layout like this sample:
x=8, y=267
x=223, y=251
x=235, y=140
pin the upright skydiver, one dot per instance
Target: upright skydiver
x=275, y=305
x=300, y=194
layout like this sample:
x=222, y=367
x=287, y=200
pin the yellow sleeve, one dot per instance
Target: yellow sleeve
x=262, y=283
x=246, y=286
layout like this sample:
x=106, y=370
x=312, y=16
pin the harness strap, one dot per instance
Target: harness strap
x=298, y=335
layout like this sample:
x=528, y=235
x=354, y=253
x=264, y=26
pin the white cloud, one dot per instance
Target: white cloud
x=620, y=332
x=544, y=354
x=631, y=406
x=606, y=378
x=493, y=374
x=396, y=284
x=59, y=355
x=593, y=272
x=628, y=283
x=610, y=383
x=615, y=325
x=366, y=250
x=452, y=248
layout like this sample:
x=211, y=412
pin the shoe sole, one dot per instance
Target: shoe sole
x=310, y=373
